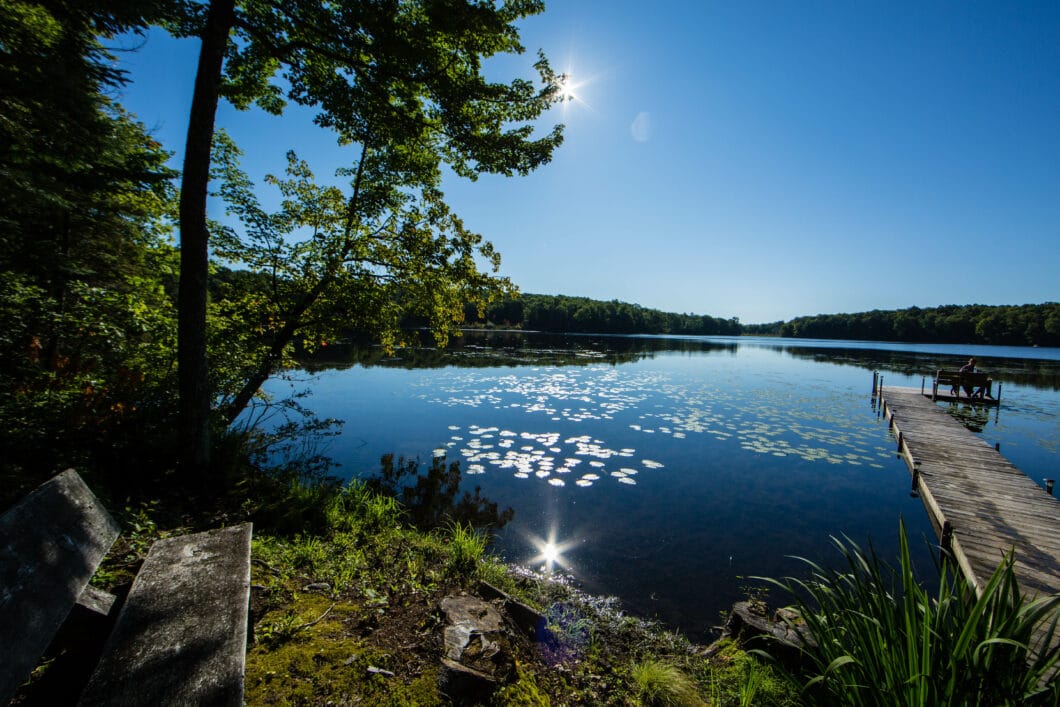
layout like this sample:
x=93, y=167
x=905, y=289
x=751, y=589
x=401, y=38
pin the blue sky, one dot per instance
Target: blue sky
x=762, y=160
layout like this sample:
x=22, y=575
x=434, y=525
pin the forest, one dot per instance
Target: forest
x=561, y=313
x=1022, y=325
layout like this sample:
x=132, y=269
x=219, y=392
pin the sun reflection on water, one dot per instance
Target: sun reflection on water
x=550, y=552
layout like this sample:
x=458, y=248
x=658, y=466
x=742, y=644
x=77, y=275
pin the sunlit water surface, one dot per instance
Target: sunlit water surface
x=669, y=471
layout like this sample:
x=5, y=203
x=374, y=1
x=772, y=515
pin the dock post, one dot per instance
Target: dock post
x=997, y=446
x=875, y=376
x=923, y=381
x=1049, y=486
x=899, y=441
x=947, y=538
x=914, y=492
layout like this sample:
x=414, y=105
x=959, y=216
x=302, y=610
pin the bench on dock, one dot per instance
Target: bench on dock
x=179, y=637
x=980, y=384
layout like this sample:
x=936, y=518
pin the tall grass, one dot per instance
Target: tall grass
x=467, y=545
x=661, y=684
x=881, y=639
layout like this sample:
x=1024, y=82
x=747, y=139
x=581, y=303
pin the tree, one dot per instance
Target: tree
x=84, y=196
x=401, y=79
x=322, y=271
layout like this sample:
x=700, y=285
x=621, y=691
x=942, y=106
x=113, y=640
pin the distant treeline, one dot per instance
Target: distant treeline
x=1015, y=325
x=1018, y=325
x=560, y=313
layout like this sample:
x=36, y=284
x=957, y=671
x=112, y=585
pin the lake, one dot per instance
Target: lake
x=666, y=471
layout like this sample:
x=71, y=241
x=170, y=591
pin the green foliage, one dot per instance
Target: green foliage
x=881, y=639
x=403, y=84
x=1022, y=325
x=324, y=268
x=466, y=546
x=86, y=324
x=660, y=684
x=562, y=313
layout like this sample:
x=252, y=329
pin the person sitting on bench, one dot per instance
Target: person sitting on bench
x=966, y=368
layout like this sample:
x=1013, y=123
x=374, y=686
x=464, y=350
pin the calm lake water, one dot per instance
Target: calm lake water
x=668, y=470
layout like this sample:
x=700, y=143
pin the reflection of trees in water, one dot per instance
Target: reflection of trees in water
x=491, y=349
x=432, y=498
x=1034, y=373
x=481, y=349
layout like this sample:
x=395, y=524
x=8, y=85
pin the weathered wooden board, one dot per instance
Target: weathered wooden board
x=181, y=635
x=50, y=545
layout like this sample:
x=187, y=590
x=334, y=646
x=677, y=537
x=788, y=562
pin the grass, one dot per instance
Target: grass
x=882, y=639
x=660, y=684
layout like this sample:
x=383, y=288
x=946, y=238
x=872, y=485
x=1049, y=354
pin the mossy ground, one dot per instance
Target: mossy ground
x=351, y=616
x=347, y=613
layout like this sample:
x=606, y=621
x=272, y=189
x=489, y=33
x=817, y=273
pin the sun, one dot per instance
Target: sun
x=567, y=89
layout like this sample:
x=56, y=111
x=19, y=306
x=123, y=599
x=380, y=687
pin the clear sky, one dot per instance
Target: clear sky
x=762, y=160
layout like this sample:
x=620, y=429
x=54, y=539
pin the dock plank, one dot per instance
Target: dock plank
x=991, y=507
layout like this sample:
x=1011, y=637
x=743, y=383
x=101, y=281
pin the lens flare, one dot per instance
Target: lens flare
x=550, y=552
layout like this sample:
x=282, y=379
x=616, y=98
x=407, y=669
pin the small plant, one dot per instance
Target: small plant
x=308, y=552
x=660, y=684
x=753, y=679
x=279, y=631
x=466, y=545
x=141, y=530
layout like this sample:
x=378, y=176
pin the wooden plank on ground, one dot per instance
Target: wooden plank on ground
x=181, y=635
x=50, y=545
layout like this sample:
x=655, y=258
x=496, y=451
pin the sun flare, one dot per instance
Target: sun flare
x=567, y=89
x=550, y=552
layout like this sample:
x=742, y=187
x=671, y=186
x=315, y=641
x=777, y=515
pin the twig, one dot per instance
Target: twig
x=266, y=565
x=313, y=623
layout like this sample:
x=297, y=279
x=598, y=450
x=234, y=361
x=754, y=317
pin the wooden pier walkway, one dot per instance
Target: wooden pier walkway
x=981, y=505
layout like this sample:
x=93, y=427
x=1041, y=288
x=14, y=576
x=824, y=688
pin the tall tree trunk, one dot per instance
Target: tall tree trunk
x=192, y=371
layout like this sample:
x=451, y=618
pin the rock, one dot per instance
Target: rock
x=478, y=655
x=529, y=620
x=464, y=685
x=380, y=671
x=749, y=623
x=317, y=587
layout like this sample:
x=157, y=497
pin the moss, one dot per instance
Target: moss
x=524, y=692
x=322, y=664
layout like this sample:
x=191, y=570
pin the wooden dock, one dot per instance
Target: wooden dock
x=981, y=505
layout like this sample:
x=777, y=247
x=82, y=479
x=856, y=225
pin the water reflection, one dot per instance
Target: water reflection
x=667, y=469
x=486, y=349
x=550, y=552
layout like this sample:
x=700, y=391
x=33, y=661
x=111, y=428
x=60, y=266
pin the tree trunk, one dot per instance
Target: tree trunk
x=267, y=366
x=192, y=370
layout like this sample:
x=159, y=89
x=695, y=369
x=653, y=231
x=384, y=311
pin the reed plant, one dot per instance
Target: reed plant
x=879, y=638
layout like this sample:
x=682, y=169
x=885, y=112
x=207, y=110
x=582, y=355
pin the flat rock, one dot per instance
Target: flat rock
x=478, y=654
